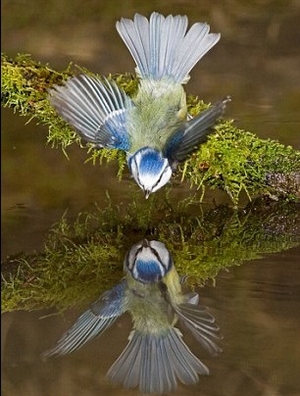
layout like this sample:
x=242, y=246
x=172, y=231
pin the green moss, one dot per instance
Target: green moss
x=233, y=160
x=84, y=258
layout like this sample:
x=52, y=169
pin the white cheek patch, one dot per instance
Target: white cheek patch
x=164, y=179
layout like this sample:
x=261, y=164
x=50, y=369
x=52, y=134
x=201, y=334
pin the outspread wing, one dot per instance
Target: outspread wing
x=93, y=322
x=200, y=322
x=196, y=130
x=96, y=109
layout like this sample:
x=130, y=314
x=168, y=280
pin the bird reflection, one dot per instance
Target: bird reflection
x=155, y=357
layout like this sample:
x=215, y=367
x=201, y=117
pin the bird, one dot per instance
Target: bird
x=154, y=127
x=156, y=356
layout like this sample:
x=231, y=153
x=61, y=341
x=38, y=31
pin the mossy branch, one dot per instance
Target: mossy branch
x=232, y=160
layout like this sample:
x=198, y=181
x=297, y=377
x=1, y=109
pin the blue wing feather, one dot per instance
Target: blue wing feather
x=93, y=322
x=184, y=141
x=96, y=109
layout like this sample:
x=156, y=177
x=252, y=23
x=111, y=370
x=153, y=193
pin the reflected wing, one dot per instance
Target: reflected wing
x=154, y=362
x=93, y=322
x=182, y=143
x=96, y=109
x=200, y=322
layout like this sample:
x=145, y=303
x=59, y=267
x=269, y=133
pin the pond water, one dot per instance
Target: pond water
x=257, y=303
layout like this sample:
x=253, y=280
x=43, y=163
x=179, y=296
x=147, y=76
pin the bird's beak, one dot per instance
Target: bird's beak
x=147, y=193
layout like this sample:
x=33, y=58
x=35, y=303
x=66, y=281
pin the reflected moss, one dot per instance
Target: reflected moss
x=84, y=258
x=232, y=160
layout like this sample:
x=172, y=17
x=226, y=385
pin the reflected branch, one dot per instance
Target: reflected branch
x=82, y=258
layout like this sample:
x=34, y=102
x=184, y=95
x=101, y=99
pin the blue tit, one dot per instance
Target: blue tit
x=155, y=357
x=153, y=128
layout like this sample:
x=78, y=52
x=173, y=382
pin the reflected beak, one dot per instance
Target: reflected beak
x=145, y=243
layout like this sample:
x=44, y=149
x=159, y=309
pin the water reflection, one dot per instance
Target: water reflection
x=151, y=291
x=257, y=303
x=76, y=253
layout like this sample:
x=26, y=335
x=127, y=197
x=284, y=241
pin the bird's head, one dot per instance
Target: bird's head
x=148, y=261
x=150, y=169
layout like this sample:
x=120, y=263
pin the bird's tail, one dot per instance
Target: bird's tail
x=162, y=47
x=154, y=362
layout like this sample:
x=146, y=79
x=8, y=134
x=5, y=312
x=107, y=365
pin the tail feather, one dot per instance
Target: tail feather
x=197, y=42
x=163, y=365
x=186, y=365
x=155, y=362
x=129, y=374
x=162, y=47
x=126, y=369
